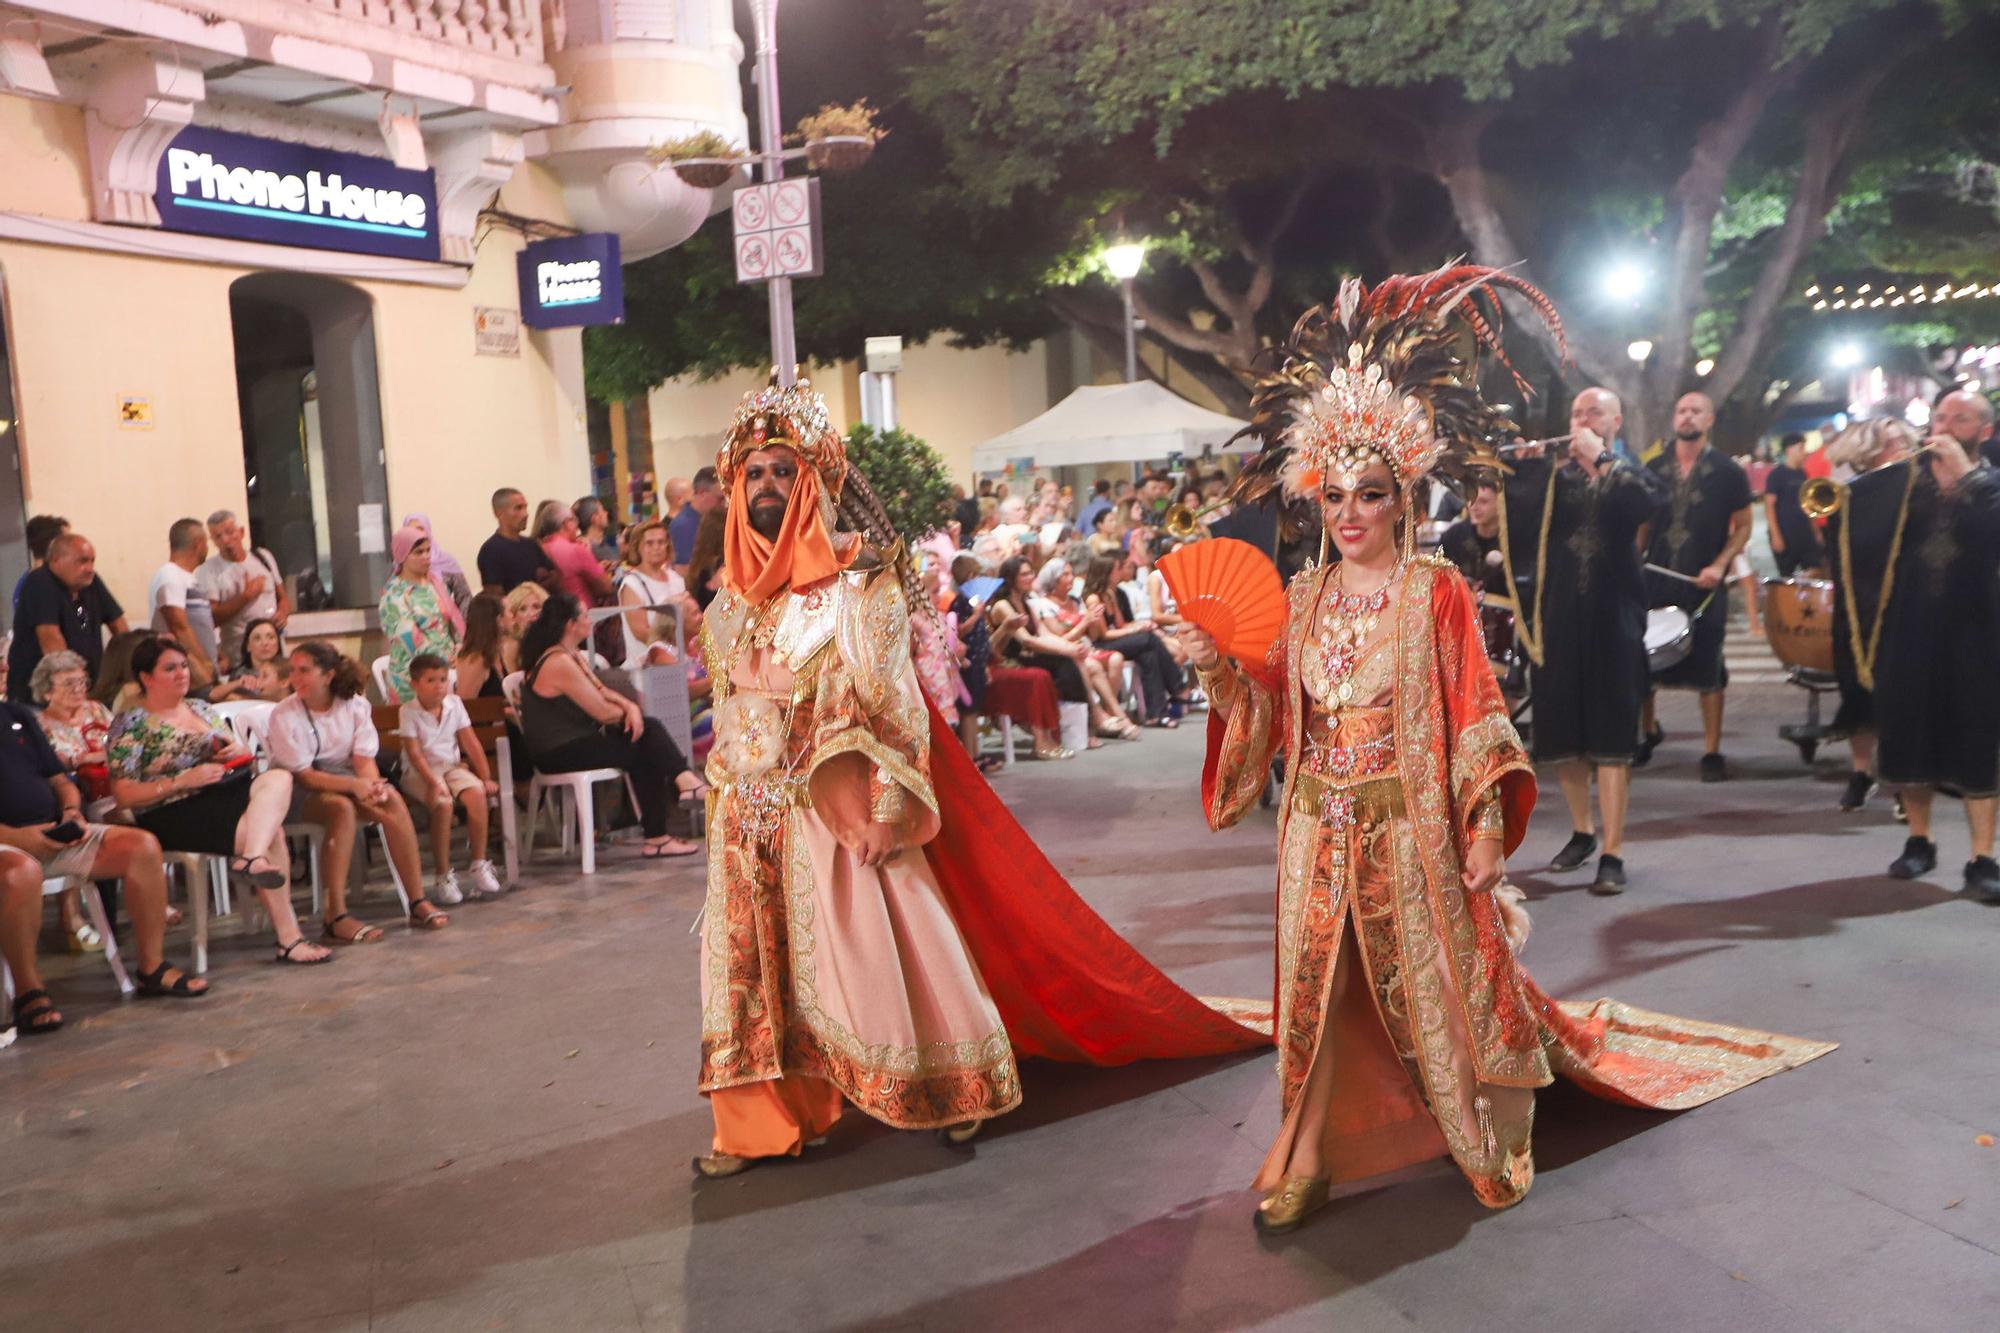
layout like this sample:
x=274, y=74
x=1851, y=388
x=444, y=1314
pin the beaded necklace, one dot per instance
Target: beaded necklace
x=1346, y=622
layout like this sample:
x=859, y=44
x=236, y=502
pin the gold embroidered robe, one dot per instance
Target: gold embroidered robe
x=812, y=964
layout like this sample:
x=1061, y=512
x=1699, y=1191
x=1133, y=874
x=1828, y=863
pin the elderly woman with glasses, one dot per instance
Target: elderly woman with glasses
x=76, y=726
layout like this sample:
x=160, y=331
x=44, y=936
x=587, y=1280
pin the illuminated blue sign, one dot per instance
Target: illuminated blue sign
x=216, y=183
x=572, y=280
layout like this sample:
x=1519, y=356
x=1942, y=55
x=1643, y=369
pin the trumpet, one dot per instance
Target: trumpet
x=1522, y=446
x=1823, y=497
x=1182, y=522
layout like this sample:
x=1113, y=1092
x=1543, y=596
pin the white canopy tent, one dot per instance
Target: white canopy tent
x=1108, y=423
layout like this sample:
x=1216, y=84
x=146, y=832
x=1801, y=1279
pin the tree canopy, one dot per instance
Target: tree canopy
x=1731, y=155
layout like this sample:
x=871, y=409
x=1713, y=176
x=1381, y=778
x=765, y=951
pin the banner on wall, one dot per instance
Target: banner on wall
x=572, y=280
x=216, y=183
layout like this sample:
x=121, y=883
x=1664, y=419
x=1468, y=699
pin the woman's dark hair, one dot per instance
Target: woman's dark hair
x=251, y=628
x=547, y=631
x=707, y=555
x=1010, y=574
x=146, y=656
x=114, y=673
x=482, y=629
x=1097, y=579
x=348, y=681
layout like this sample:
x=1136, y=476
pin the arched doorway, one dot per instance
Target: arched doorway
x=307, y=394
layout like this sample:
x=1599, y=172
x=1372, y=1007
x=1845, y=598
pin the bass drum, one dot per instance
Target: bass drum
x=1669, y=638
x=1798, y=621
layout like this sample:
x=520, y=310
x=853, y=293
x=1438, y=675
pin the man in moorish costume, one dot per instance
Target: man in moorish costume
x=854, y=948
x=1406, y=1029
x=1572, y=527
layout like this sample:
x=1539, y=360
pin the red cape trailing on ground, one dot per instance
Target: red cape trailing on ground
x=1067, y=985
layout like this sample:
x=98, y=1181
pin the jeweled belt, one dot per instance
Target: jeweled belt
x=760, y=803
x=1343, y=803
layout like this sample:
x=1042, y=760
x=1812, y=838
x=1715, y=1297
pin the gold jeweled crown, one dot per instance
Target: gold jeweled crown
x=795, y=417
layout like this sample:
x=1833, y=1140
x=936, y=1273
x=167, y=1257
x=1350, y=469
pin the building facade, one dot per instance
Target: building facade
x=261, y=255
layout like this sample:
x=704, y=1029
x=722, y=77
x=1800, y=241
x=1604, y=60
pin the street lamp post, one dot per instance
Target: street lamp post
x=784, y=341
x=1124, y=261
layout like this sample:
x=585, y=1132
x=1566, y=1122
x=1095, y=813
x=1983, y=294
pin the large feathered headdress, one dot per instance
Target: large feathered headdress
x=1386, y=374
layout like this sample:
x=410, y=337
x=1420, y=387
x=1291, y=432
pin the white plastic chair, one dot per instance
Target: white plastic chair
x=379, y=668
x=93, y=903
x=576, y=786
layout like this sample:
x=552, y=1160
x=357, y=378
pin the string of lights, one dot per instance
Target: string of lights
x=1868, y=297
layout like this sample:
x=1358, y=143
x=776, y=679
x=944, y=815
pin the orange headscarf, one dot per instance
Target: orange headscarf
x=802, y=555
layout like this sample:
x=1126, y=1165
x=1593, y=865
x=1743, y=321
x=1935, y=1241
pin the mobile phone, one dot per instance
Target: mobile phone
x=67, y=831
x=231, y=765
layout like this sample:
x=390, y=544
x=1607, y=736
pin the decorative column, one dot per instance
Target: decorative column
x=137, y=104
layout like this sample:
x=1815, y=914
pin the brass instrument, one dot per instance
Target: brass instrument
x=1182, y=523
x=1823, y=497
x=1522, y=446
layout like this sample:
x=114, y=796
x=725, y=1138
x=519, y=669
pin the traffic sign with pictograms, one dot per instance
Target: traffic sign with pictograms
x=777, y=230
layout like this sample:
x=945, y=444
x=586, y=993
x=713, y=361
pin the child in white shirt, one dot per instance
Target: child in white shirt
x=443, y=764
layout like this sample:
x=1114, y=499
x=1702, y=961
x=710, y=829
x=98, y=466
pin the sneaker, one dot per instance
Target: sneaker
x=1574, y=852
x=1610, y=876
x=1860, y=787
x=1982, y=879
x=446, y=890
x=1713, y=769
x=1648, y=743
x=485, y=883
x=1919, y=858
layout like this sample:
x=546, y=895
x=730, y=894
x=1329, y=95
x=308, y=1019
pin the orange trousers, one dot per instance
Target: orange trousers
x=775, y=1118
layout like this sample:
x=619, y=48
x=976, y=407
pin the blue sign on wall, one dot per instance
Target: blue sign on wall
x=572, y=280
x=220, y=184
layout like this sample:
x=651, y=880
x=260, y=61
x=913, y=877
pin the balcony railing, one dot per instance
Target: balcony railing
x=503, y=27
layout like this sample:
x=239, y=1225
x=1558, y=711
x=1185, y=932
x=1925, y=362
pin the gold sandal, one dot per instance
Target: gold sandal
x=1289, y=1205
x=962, y=1133
x=718, y=1165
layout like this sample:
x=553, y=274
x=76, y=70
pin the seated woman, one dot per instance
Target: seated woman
x=1161, y=680
x=417, y=613
x=481, y=661
x=1103, y=670
x=648, y=581
x=524, y=603
x=572, y=722
x=263, y=676
x=1020, y=688
x=176, y=765
x=76, y=726
x=324, y=736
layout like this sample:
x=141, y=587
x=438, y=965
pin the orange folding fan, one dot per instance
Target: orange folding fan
x=1230, y=589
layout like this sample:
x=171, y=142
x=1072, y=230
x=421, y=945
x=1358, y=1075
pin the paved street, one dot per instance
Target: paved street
x=491, y=1129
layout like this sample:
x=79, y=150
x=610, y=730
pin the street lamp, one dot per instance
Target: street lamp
x=1640, y=350
x=1625, y=281
x=1124, y=260
x=784, y=337
x=1846, y=356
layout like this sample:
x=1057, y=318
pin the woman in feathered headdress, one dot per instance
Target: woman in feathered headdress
x=1405, y=1027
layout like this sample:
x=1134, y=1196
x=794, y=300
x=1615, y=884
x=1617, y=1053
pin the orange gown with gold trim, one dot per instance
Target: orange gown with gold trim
x=1386, y=964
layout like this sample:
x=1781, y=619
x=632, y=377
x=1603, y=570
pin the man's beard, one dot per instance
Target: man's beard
x=767, y=520
x=1688, y=432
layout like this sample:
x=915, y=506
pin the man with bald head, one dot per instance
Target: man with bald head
x=1937, y=716
x=1703, y=527
x=62, y=605
x=1584, y=596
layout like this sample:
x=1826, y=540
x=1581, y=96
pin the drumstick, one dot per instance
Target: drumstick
x=1672, y=574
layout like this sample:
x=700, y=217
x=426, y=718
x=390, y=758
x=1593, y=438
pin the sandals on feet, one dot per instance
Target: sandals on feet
x=363, y=932
x=435, y=919
x=154, y=984
x=668, y=850
x=285, y=955
x=270, y=877
x=35, y=1014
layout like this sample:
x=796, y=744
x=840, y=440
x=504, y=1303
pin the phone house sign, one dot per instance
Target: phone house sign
x=222, y=184
x=572, y=280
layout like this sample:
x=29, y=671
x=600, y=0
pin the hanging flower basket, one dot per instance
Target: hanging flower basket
x=840, y=152
x=706, y=175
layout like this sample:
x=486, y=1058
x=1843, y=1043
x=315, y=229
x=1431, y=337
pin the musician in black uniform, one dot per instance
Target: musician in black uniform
x=1703, y=527
x=1937, y=711
x=1585, y=613
x=1473, y=542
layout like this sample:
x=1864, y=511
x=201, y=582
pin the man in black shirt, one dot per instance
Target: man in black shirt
x=1703, y=527
x=37, y=800
x=508, y=559
x=1794, y=542
x=1473, y=543
x=62, y=605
